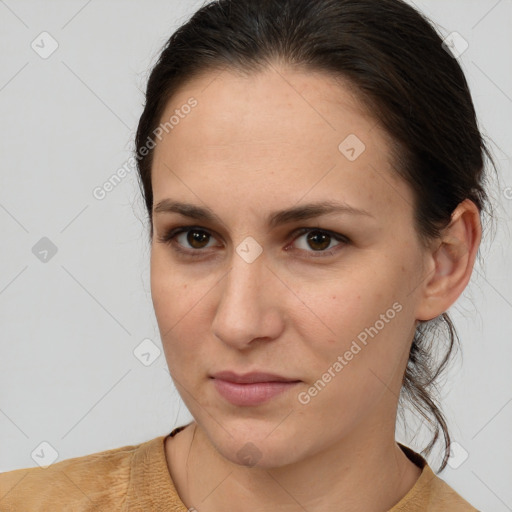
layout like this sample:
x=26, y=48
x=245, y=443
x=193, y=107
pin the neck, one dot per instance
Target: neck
x=374, y=465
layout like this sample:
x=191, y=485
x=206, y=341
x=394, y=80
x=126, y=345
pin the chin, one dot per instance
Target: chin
x=253, y=445
x=264, y=455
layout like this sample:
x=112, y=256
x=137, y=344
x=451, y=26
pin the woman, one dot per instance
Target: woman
x=313, y=175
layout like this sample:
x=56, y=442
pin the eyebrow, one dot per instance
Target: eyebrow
x=274, y=219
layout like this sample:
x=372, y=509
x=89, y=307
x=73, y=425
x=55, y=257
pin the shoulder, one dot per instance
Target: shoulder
x=430, y=493
x=99, y=479
x=444, y=497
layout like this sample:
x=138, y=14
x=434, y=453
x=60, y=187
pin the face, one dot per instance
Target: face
x=326, y=300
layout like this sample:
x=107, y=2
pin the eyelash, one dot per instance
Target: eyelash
x=169, y=236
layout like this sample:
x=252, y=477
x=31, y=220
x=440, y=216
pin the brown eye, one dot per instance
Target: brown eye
x=187, y=240
x=197, y=238
x=193, y=241
x=318, y=240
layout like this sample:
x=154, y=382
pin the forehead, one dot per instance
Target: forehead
x=274, y=132
x=277, y=105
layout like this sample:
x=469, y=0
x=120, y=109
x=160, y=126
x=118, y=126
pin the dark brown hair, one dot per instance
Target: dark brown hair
x=396, y=62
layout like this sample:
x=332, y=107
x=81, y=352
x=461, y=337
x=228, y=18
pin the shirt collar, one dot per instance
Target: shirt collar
x=151, y=487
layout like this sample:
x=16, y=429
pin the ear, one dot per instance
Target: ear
x=451, y=262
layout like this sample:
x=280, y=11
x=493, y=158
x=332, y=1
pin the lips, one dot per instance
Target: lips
x=252, y=388
x=251, y=377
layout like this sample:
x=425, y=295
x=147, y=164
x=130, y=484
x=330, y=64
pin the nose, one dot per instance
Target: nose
x=248, y=308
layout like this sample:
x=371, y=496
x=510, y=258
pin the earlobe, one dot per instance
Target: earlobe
x=453, y=260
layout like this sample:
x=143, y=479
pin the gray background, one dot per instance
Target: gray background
x=69, y=325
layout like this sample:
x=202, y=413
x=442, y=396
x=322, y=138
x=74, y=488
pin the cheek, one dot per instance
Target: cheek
x=353, y=353
x=179, y=300
x=363, y=318
x=339, y=307
x=170, y=288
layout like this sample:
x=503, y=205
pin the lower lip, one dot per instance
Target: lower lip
x=251, y=394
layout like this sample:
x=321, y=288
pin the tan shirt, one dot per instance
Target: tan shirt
x=136, y=478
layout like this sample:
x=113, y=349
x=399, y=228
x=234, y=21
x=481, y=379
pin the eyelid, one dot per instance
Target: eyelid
x=169, y=236
x=342, y=239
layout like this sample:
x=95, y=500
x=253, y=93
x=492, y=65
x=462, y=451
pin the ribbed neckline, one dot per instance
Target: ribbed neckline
x=151, y=486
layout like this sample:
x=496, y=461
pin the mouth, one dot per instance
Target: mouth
x=251, y=377
x=251, y=389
